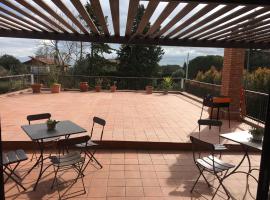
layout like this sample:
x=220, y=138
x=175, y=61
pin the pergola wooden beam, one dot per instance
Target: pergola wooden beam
x=132, y=9
x=17, y=22
x=10, y=24
x=26, y=14
x=22, y=19
x=100, y=16
x=48, y=9
x=114, y=4
x=225, y=2
x=40, y=14
x=150, y=9
x=205, y=20
x=69, y=14
x=192, y=19
x=216, y=31
x=249, y=32
x=210, y=25
x=125, y=40
x=84, y=14
x=165, y=13
x=181, y=14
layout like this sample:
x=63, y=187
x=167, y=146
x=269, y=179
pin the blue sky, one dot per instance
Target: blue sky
x=22, y=48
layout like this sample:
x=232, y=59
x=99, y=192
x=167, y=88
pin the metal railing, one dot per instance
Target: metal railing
x=123, y=83
x=256, y=105
x=256, y=102
x=201, y=89
x=14, y=82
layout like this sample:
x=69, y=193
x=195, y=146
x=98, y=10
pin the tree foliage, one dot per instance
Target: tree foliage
x=210, y=76
x=258, y=58
x=204, y=63
x=12, y=65
x=139, y=60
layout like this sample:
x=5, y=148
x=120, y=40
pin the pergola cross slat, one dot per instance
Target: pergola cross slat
x=42, y=4
x=230, y=25
x=40, y=14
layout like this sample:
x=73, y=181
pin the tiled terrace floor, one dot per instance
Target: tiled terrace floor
x=137, y=175
x=130, y=116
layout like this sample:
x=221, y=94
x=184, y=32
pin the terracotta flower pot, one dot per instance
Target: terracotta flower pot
x=84, y=86
x=149, y=89
x=113, y=88
x=98, y=88
x=55, y=88
x=36, y=87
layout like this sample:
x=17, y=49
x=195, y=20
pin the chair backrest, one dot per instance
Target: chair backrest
x=38, y=117
x=200, y=146
x=66, y=143
x=207, y=101
x=101, y=122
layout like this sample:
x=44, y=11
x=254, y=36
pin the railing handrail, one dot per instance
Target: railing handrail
x=203, y=83
x=255, y=92
x=119, y=77
x=15, y=76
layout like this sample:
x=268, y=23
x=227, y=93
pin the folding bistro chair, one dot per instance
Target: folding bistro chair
x=209, y=164
x=207, y=101
x=91, y=146
x=67, y=159
x=37, y=117
x=11, y=161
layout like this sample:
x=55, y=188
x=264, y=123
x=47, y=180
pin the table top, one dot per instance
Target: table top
x=62, y=128
x=244, y=138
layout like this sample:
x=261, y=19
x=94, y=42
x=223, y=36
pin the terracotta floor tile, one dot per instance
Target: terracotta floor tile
x=116, y=191
x=133, y=182
x=134, y=192
x=152, y=191
x=116, y=182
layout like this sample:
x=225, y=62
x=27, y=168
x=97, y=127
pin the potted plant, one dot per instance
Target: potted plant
x=98, y=84
x=51, y=124
x=84, y=86
x=36, y=87
x=149, y=89
x=113, y=87
x=257, y=134
x=167, y=84
x=53, y=80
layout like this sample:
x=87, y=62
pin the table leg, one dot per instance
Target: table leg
x=41, y=147
x=235, y=170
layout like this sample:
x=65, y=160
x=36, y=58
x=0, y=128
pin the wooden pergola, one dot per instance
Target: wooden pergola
x=218, y=23
x=226, y=23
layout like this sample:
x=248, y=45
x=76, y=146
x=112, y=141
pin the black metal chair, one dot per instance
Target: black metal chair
x=11, y=161
x=67, y=159
x=209, y=164
x=91, y=146
x=37, y=117
x=207, y=101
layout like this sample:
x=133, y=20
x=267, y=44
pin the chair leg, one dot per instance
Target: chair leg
x=195, y=183
x=55, y=177
x=11, y=177
x=92, y=157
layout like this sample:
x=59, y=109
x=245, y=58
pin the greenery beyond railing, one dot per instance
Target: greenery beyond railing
x=201, y=89
x=122, y=83
x=256, y=102
x=14, y=83
x=256, y=105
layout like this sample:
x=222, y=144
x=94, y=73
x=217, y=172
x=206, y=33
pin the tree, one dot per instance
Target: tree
x=12, y=65
x=258, y=58
x=139, y=60
x=94, y=62
x=204, y=63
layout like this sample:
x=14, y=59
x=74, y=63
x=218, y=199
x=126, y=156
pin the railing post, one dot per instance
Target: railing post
x=32, y=79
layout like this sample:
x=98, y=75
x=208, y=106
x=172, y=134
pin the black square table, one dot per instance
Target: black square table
x=244, y=138
x=39, y=133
